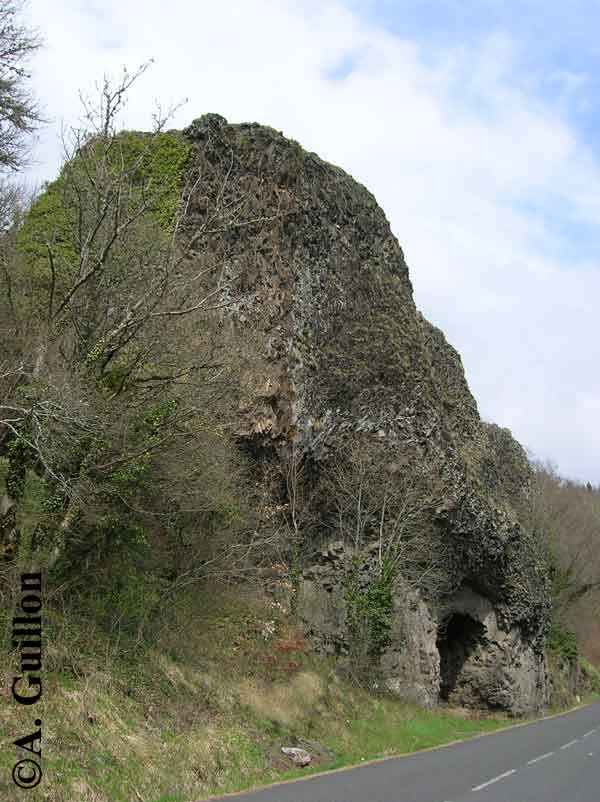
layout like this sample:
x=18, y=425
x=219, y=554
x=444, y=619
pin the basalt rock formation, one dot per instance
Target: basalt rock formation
x=318, y=283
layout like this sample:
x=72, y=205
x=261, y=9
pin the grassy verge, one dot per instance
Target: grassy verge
x=590, y=681
x=203, y=707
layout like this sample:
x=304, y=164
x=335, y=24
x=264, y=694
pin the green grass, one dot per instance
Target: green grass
x=396, y=729
x=590, y=680
x=203, y=707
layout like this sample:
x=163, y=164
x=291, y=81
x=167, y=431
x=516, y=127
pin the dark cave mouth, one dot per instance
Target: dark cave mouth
x=458, y=636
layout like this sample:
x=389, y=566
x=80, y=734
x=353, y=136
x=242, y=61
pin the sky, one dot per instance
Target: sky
x=474, y=122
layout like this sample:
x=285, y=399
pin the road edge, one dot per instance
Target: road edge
x=277, y=783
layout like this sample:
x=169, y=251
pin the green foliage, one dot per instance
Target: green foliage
x=121, y=531
x=154, y=164
x=123, y=600
x=49, y=222
x=39, y=505
x=369, y=614
x=37, y=512
x=19, y=457
x=168, y=161
x=590, y=675
x=157, y=162
x=563, y=642
x=153, y=419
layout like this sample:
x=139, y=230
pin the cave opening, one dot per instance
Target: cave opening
x=457, y=638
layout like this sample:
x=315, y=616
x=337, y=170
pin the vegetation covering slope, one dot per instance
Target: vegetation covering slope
x=125, y=477
x=204, y=704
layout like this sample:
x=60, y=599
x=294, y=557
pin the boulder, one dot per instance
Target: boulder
x=300, y=756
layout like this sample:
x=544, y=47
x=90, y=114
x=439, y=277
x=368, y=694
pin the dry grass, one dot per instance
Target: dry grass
x=203, y=710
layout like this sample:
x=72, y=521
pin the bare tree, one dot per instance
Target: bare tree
x=383, y=506
x=123, y=394
x=19, y=112
x=567, y=514
x=378, y=502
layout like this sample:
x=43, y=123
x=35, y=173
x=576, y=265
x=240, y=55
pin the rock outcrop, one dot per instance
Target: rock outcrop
x=318, y=284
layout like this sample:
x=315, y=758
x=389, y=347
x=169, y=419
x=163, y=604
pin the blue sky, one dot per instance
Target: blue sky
x=553, y=36
x=555, y=58
x=554, y=40
x=556, y=44
x=475, y=124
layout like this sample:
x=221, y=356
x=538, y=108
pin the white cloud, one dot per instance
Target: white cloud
x=458, y=151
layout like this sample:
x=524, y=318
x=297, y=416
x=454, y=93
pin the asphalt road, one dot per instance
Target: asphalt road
x=554, y=760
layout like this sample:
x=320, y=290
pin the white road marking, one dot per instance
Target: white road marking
x=591, y=732
x=541, y=757
x=574, y=741
x=495, y=780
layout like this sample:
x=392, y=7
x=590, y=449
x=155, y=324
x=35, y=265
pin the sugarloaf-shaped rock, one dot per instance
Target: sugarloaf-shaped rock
x=346, y=372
